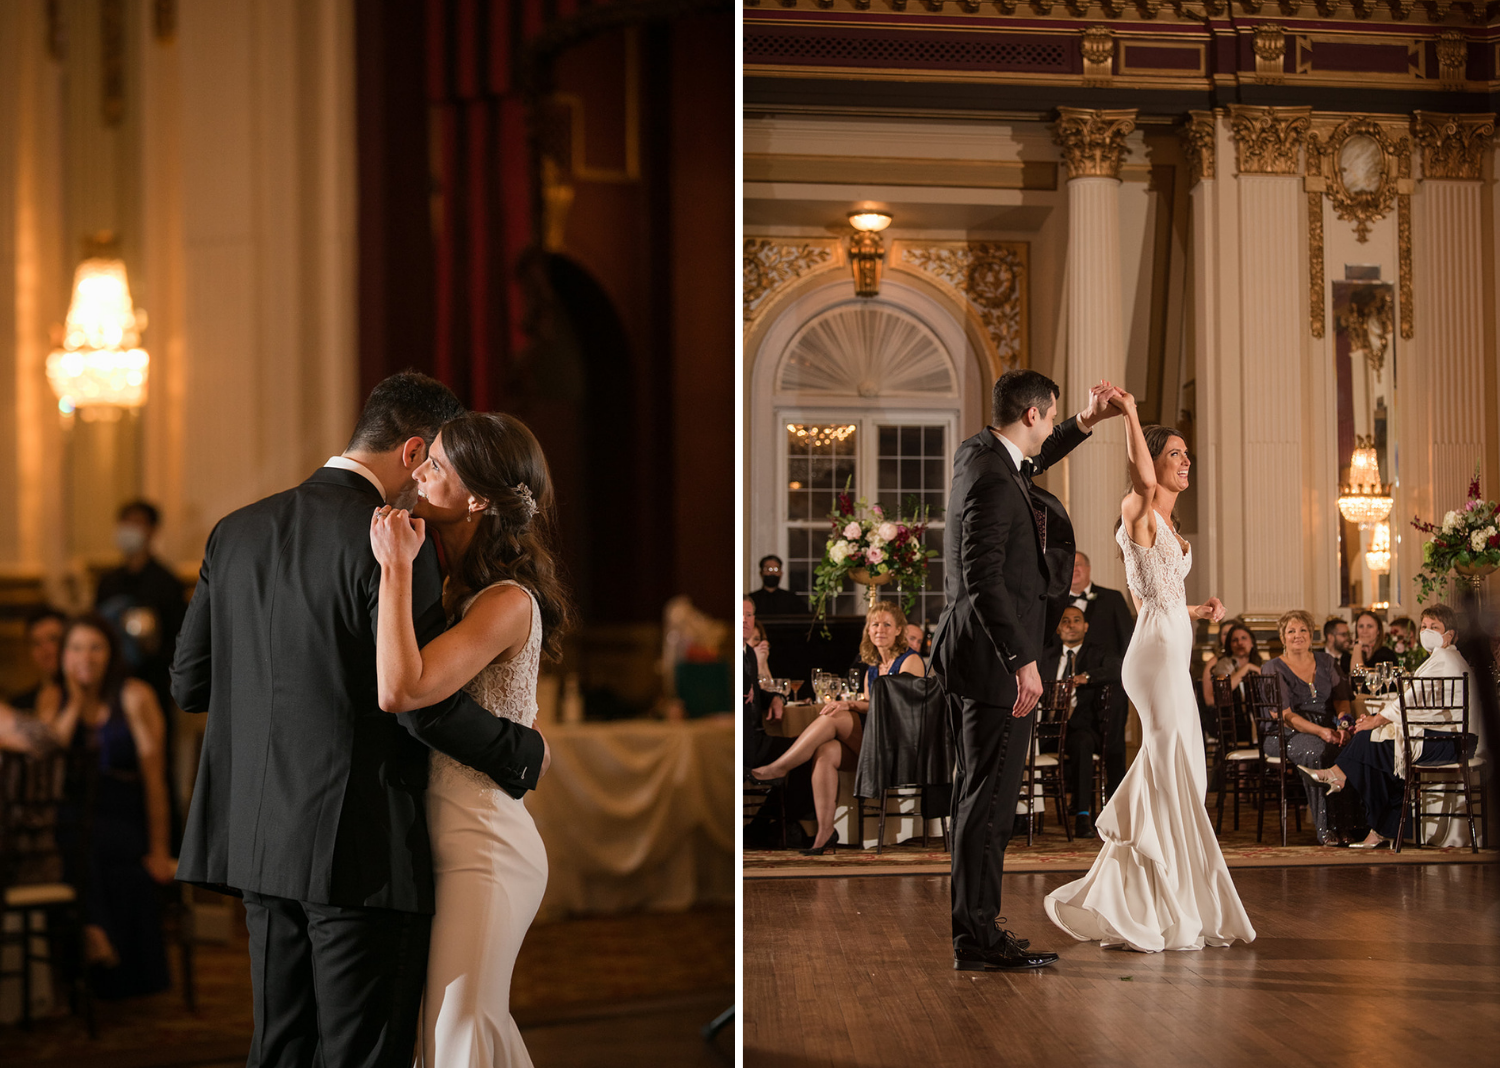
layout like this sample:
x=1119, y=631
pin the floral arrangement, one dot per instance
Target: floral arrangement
x=1467, y=541
x=864, y=539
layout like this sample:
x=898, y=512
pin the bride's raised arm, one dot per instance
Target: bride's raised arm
x=495, y=627
x=1136, y=508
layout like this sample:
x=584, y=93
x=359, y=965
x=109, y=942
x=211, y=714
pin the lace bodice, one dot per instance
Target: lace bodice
x=506, y=689
x=1156, y=575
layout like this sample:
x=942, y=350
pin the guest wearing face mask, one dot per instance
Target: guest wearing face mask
x=146, y=603
x=1371, y=761
x=771, y=599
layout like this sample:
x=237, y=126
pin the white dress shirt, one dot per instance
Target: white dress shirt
x=1016, y=455
x=343, y=463
x=1081, y=599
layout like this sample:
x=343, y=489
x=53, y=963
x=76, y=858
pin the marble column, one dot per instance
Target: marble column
x=1093, y=145
x=1449, y=379
x=1273, y=317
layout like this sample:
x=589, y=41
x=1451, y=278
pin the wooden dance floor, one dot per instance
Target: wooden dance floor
x=1367, y=966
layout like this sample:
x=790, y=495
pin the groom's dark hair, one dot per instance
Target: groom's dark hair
x=1015, y=391
x=408, y=404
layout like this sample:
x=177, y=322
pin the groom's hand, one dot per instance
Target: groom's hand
x=1028, y=690
x=546, y=756
x=1099, y=407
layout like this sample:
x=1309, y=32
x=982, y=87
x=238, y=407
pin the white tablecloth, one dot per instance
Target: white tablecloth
x=637, y=814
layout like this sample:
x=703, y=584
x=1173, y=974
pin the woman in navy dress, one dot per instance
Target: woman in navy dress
x=113, y=827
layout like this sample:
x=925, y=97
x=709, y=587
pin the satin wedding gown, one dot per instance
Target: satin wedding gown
x=489, y=869
x=1160, y=881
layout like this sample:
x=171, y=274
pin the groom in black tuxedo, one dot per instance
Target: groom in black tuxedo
x=1007, y=565
x=310, y=799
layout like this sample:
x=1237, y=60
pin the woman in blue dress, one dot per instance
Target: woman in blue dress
x=113, y=827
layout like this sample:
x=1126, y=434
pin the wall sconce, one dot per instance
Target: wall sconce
x=1378, y=556
x=1365, y=500
x=867, y=250
x=100, y=363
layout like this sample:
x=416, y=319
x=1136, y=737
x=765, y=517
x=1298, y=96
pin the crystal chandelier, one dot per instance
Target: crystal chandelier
x=1365, y=500
x=101, y=362
x=1378, y=556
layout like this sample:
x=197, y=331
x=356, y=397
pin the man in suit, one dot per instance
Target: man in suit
x=310, y=799
x=1110, y=627
x=1076, y=655
x=1008, y=555
x=771, y=599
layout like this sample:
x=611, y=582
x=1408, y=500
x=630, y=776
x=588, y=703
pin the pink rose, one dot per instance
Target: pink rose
x=852, y=531
x=874, y=556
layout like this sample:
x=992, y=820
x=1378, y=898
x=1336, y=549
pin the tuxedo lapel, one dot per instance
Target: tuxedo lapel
x=1028, y=492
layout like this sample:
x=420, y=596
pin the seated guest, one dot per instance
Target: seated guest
x=1112, y=626
x=1405, y=642
x=1316, y=696
x=1237, y=657
x=1336, y=642
x=832, y=740
x=23, y=733
x=1371, y=763
x=916, y=638
x=771, y=599
x=1091, y=669
x=760, y=705
x=116, y=807
x=44, y=627
x=1369, y=643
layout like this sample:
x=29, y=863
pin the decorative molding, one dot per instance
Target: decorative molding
x=1472, y=12
x=1357, y=319
x=1317, y=309
x=1270, y=53
x=1093, y=142
x=1199, y=145
x=1453, y=57
x=1358, y=166
x=1453, y=146
x=994, y=276
x=1403, y=241
x=1098, y=55
x=1267, y=139
x=771, y=264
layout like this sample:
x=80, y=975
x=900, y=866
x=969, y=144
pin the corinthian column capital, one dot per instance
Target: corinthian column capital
x=1093, y=142
x=1198, y=145
x=1269, y=140
x=1452, y=145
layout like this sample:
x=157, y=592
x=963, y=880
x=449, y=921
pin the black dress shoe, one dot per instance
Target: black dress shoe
x=1011, y=954
x=1083, y=826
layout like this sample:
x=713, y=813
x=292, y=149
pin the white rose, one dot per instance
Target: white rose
x=838, y=552
x=1450, y=522
x=887, y=531
x=853, y=530
x=874, y=555
x=1480, y=539
x=875, y=541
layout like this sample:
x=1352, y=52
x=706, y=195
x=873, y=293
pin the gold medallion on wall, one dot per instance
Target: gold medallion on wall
x=993, y=277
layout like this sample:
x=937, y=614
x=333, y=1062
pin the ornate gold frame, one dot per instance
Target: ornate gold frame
x=1359, y=208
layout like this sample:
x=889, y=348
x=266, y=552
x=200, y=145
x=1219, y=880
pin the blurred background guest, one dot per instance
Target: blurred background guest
x=23, y=733
x=916, y=639
x=1236, y=658
x=143, y=599
x=44, y=628
x=1111, y=624
x=759, y=703
x=1405, y=642
x=1337, y=641
x=113, y=828
x=1369, y=646
x=1316, y=697
x=832, y=741
x=1072, y=654
x=772, y=599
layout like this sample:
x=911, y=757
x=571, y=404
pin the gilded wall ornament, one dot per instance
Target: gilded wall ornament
x=1453, y=57
x=1316, y=287
x=1358, y=165
x=1452, y=145
x=1093, y=142
x=1368, y=322
x=994, y=276
x=770, y=263
x=1403, y=240
x=866, y=260
x=1270, y=53
x=1268, y=139
x=1098, y=55
x=1198, y=144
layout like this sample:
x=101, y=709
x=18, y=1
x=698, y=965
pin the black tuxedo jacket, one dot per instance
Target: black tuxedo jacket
x=306, y=789
x=1094, y=660
x=1003, y=593
x=1110, y=623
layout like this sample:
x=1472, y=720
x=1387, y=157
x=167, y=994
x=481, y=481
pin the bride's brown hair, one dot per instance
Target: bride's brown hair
x=1157, y=437
x=499, y=460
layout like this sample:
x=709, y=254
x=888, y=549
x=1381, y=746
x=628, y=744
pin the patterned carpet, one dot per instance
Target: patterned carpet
x=1051, y=851
x=575, y=969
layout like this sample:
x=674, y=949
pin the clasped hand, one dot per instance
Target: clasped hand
x=1211, y=610
x=396, y=536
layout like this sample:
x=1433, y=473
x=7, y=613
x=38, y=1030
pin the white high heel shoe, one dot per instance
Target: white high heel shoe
x=1318, y=775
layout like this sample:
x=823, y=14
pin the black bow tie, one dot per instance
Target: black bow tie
x=1029, y=468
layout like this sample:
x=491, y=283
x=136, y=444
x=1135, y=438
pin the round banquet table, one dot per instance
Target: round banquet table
x=637, y=814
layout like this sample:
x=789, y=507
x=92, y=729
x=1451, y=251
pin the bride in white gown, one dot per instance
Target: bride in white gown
x=486, y=492
x=1160, y=881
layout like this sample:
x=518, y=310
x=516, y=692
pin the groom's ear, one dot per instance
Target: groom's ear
x=413, y=453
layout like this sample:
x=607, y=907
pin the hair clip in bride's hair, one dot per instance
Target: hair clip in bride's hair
x=528, y=502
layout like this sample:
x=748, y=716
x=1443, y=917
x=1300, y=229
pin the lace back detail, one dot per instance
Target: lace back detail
x=1156, y=575
x=506, y=689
